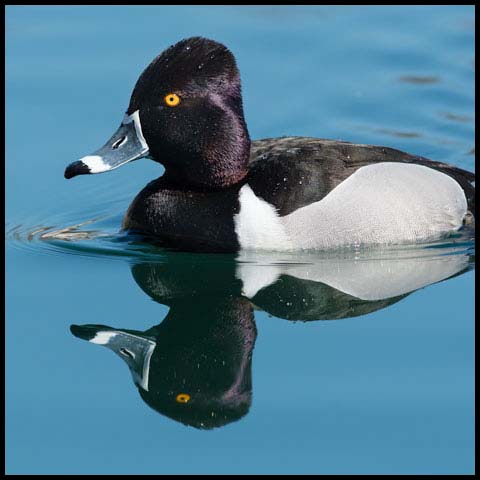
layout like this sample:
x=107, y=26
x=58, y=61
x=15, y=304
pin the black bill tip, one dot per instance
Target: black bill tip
x=76, y=168
x=87, y=332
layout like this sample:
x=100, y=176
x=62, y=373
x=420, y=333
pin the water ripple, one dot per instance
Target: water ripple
x=101, y=237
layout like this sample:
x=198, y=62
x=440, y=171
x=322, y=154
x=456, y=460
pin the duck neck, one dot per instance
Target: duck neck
x=207, y=182
x=217, y=168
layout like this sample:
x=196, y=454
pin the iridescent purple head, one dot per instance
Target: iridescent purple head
x=186, y=113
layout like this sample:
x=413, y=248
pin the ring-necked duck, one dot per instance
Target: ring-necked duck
x=221, y=192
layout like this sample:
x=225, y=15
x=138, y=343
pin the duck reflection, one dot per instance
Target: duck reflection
x=195, y=366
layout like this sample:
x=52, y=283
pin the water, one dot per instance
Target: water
x=348, y=362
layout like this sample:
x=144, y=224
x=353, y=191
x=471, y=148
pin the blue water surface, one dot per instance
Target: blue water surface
x=355, y=362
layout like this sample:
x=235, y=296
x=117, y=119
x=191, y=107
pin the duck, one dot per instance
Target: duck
x=222, y=192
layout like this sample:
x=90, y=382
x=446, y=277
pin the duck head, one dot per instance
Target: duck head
x=186, y=113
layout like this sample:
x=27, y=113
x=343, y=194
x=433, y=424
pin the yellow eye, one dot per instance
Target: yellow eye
x=182, y=398
x=172, y=99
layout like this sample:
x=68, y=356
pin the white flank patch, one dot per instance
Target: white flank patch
x=382, y=203
x=380, y=279
x=258, y=225
x=102, y=338
x=135, y=118
x=376, y=275
x=256, y=277
x=95, y=164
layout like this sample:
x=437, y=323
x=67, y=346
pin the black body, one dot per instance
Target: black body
x=288, y=173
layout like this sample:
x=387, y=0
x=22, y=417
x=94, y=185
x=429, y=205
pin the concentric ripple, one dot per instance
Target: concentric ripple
x=101, y=236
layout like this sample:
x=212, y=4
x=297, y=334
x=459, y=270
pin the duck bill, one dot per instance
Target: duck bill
x=133, y=348
x=126, y=144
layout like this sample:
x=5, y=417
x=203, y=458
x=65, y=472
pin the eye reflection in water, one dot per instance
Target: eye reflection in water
x=195, y=366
